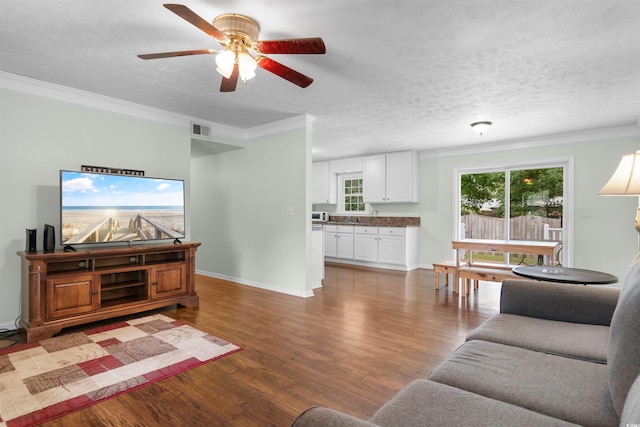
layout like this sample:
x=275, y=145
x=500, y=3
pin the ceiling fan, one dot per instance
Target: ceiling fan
x=238, y=35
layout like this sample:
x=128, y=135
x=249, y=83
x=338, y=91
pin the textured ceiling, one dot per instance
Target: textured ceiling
x=409, y=74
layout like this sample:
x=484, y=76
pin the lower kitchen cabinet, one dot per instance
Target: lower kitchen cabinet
x=382, y=247
x=393, y=247
x=366, y=243
x=338, y=241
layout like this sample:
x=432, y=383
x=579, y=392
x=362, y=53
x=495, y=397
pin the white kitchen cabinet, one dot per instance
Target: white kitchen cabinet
x=345, y=246
x=392, y=245
x=317, y=256
x=346, y=165
x=330, y=244
x=365, y=244
x=324, y=184
x=391, y=178
x=338, y=241
x=381, y=247
x=373, y=179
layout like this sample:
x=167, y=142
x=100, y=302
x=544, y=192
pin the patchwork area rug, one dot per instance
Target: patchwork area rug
x=44, y=380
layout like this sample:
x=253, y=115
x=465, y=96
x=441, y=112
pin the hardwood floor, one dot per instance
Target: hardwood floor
x=364, y=335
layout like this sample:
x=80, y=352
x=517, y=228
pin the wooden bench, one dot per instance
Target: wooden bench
x=490, y=274
x=446, y=267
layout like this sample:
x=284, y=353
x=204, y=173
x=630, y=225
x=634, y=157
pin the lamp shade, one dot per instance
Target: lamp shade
x=247, y=66
x=625, y=181
x=225, y=61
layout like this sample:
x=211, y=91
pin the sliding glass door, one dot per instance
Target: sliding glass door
x=512, y=204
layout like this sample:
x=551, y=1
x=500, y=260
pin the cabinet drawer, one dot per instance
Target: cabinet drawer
x=367, y=230
x=392, y=231
x=345, y=228
x=330, y=228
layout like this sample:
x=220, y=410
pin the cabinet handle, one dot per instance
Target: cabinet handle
x=154, y=283
x=94, y=293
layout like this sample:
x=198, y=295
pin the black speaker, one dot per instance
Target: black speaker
x=31, y=240
x=49, y=242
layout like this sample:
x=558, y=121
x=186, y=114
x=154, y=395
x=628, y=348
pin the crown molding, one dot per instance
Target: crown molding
x=537, y=142
x=296, y=122
x=39, y=88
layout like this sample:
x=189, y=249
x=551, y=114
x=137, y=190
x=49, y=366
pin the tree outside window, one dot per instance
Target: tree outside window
x=535, y=199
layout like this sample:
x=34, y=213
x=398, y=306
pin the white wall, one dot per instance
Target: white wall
x=38, y=137
x=251, y=211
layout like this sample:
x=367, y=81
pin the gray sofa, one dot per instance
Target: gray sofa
x=555, y=355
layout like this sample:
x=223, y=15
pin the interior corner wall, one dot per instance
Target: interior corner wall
x=605, y=240
x=38, y=138
x=251, y=213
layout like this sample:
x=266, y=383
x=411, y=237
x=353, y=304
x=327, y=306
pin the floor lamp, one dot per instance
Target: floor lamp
x=625, y=181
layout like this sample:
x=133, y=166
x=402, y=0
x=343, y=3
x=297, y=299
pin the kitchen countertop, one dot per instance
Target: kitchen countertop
x=373, y=221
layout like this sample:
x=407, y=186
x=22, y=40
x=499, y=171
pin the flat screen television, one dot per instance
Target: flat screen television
x=102, y=208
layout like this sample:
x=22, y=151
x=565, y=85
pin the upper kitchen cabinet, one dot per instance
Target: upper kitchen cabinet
x=391, y=178
x=324, y=184
x=348, y=165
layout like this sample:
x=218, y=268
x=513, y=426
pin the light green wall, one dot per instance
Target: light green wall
x=38, y=137
x=605, y=241
x=242, y=205
x=240, y=198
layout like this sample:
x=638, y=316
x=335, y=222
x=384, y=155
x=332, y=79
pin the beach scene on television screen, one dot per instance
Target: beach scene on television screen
x=110, y=208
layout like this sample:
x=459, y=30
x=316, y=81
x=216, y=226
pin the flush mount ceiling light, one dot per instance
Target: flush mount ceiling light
x=481, y=127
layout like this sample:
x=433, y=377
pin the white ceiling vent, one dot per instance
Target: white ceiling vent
x=200, y=131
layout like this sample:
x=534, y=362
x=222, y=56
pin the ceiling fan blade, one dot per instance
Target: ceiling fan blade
x=313, y=45
x=283, y=71
x=229, y=84
x=190, y=16
x=178, y=53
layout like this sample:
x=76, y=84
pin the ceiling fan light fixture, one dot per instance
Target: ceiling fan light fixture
x=238, y=35
x=225, y=61
x=237, y=24
x=481, y=127
x=247, y=66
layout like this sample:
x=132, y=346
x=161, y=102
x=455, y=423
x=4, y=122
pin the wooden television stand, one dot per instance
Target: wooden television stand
x=61, y=289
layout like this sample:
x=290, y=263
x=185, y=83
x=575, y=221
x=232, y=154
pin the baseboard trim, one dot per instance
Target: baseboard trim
x=383, y=266
x=10, y=326
x=264, y=286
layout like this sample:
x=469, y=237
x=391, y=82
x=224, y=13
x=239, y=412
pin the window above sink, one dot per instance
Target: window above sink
x=350, y=195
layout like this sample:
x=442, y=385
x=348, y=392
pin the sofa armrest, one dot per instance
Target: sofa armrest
x=319, y=416
x=563, y=302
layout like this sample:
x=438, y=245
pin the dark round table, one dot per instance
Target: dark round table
x=565, y=275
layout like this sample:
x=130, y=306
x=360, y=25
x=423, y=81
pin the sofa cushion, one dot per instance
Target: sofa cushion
x=624, y=347
x=592, y=305
x=631, y=412
x=319, y=416
x=576, y=340
x=427, y=403
x=569, y=389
